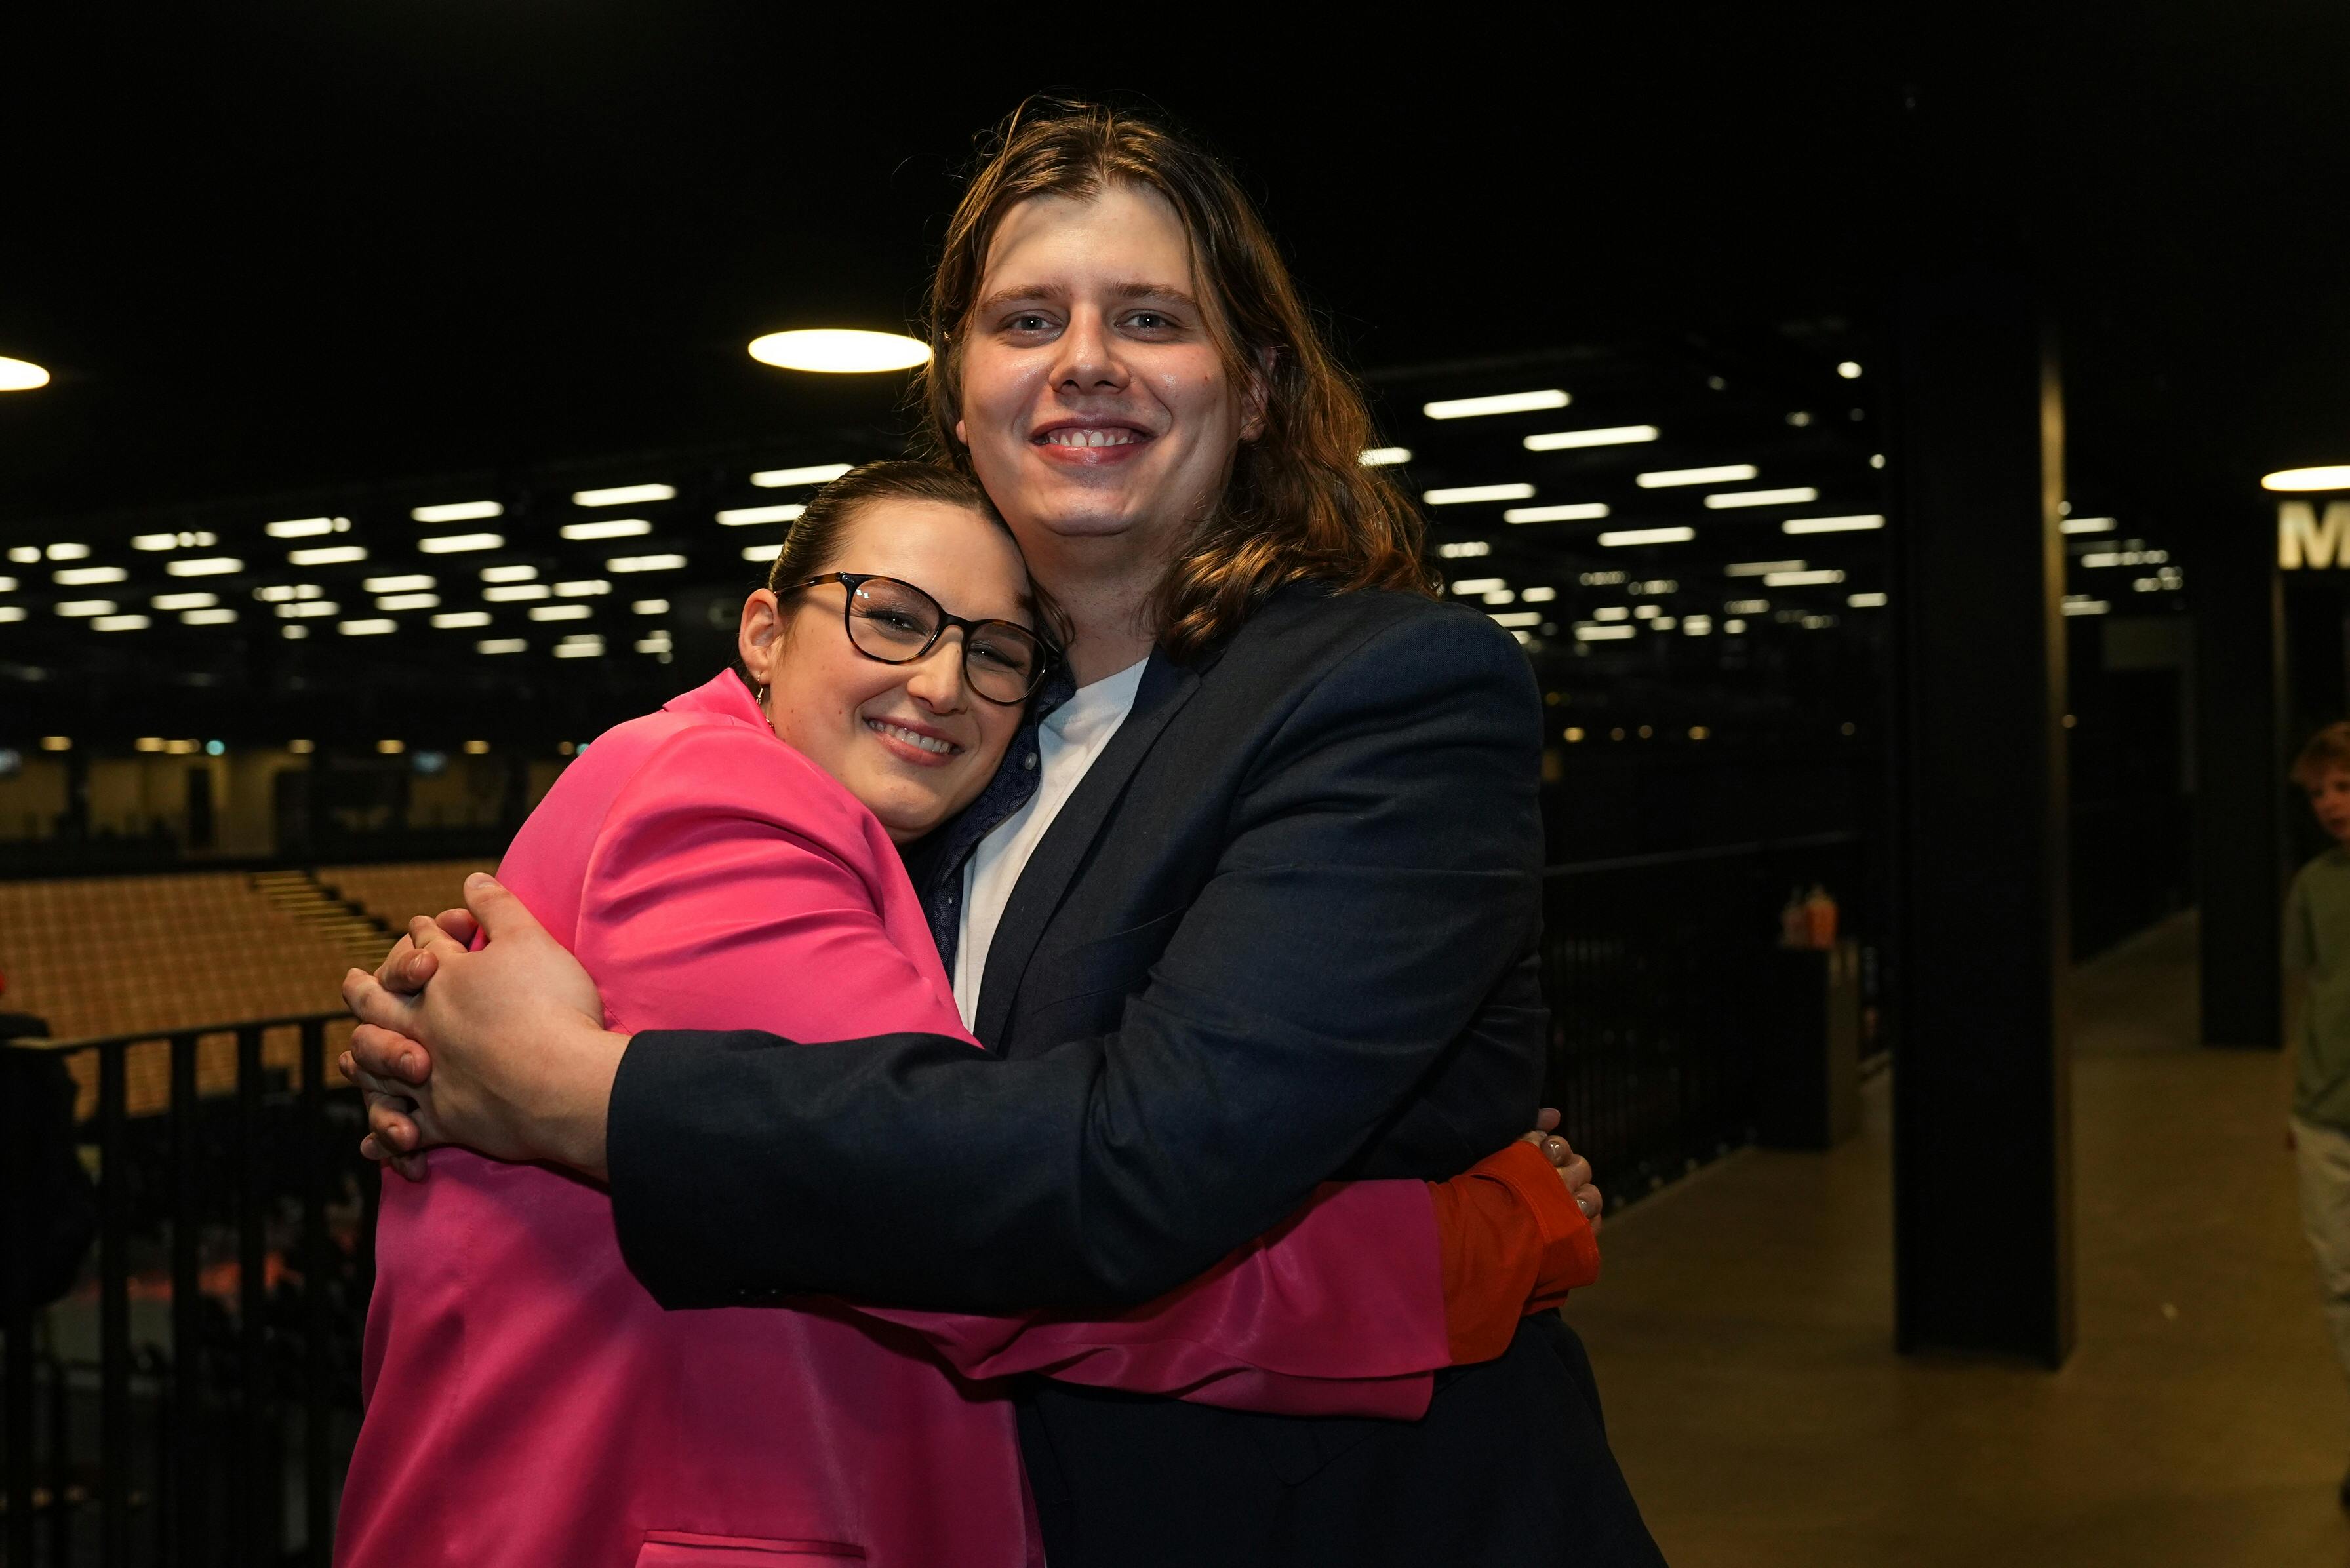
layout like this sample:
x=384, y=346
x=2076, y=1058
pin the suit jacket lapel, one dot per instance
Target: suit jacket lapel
x=1165, y=687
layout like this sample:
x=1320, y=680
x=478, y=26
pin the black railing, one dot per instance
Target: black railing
x=1658, y=973
x=235, y=1200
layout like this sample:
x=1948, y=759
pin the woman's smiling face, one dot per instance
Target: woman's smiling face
x=912, y=741
x=1096, y=404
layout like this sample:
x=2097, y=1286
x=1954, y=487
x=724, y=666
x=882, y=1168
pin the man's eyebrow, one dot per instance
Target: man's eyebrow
x=1056, y=292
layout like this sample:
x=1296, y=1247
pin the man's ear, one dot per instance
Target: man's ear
x=763, y=622
x=1257, y=395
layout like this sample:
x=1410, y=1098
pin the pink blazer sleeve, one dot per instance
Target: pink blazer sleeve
x=732, y=885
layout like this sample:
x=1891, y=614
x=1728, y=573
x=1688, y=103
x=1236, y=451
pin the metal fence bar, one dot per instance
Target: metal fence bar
x=318, y=1462
x=255, y=1452
x=114, y=1310
x=16, y=1220
x=189, y=1455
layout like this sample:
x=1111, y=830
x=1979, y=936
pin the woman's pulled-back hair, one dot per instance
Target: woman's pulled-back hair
x=1300, y=504
x=814, y=540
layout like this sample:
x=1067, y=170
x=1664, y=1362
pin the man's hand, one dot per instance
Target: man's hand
x=502, y=1049
x=1572, y=1168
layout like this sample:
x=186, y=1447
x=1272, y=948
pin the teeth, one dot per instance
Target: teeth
x=1091, y=437
x=898, y=731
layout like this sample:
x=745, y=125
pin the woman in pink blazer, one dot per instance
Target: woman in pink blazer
x=732, y=861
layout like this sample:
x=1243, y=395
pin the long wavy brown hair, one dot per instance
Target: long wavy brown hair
x=1301, y=505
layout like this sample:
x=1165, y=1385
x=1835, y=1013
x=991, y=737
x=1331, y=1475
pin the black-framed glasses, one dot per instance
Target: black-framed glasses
x=898, y=623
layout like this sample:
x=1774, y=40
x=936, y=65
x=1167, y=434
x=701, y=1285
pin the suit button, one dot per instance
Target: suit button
x=1029, y=761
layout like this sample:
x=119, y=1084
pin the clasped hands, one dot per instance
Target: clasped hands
x=501, y=1048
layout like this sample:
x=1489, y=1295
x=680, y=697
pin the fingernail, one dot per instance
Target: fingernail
x=480, y=879
x=408, y=1063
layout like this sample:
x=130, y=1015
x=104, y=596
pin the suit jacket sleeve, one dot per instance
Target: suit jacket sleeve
x=1381, y=871
x=716, y=900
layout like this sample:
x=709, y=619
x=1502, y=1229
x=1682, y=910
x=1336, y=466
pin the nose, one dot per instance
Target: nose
x=1089, y=359
x=935, y=680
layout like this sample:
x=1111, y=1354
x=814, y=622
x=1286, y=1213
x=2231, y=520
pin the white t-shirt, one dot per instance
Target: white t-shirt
x=1068, y=740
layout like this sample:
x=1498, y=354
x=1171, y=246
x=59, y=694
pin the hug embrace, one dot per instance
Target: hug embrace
x=1034, y=1065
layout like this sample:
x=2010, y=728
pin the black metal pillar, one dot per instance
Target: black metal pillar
x=1983, y=1198
x=2240, y=799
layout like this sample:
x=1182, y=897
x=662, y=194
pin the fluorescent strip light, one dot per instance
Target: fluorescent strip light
x=502, y=645
x=2088, y=525
x=1760, y=568
x=1747, y=606
x=1649, y=536
x=87, y=607
x=623, y=495
x=1519, y=618
x=1863, y=523
x=87, y=577
x=120, y=623
x=408, y=602
x=1605, y=633
x=207, y=617
x=367, y=627
x=211, y=567
x=457, y=619
x=1384, y=456
x=617, y=528
x=644, y=563
x=584, y=589
x=560, y=612
x=1812, y=579
x=650, y=607
x=141, y=542
x=450, y=543
x=508, y=573
x=293, y=633
x=68, y=552
x=762, y=554
x=184, y=601
x=11, y=612
x=1500, y=403
x=2086, y=606
x=745, y=516
x=308, y=608
x=1793, y=496
x=458, y=511
x=784, y=478
x=657, y=643
x=1615, y=436
x=282, y=594
x=2334, y=476
x=1666, y=478
x=329, y=556
x=1865, y=601
x=1573, y=511
x=1611, y=612
x=1539, y=595
x=414, y=583
x=587, y=647
x=1462, y=495
x=1478, y=585
x=516, y=592
x=304, y=528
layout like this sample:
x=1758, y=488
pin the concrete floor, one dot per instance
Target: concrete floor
x=1743, y=1334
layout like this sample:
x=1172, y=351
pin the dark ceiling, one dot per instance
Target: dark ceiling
x=284, y=246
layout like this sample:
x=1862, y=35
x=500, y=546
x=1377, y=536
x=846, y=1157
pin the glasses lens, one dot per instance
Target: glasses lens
x=1002, y=661
x=894, y=622
x=890, y=621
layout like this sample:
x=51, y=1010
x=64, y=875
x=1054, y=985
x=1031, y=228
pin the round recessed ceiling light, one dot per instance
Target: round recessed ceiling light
x=21, y=375
x=840, y=350
x=2334, y=477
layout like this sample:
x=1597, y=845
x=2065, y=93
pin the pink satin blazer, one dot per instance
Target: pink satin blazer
x=529, y=1404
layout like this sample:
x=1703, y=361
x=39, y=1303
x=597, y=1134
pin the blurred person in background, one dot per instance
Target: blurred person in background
x=2317, y=950
x=1256, y=907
